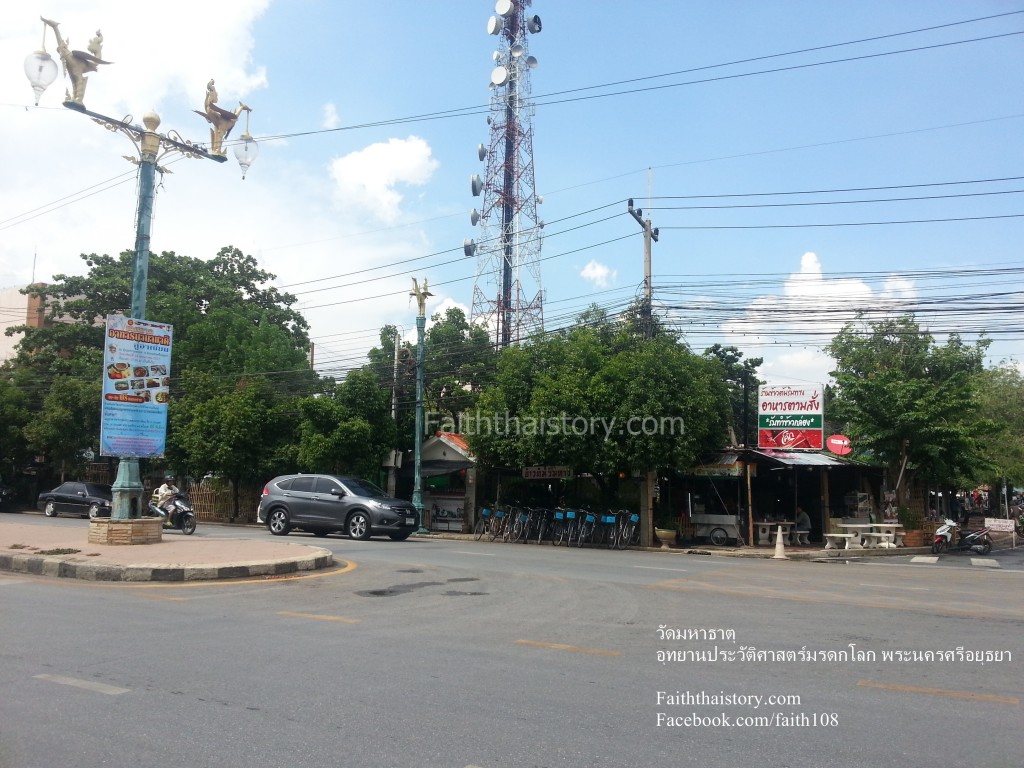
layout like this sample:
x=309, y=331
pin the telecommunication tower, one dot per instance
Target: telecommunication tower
x=507, y=295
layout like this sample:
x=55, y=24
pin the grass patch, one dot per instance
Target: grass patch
x=64, y=551
x=18, y=546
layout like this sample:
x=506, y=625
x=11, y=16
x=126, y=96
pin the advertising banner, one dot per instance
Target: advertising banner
x=136, y=375
x=790, y=417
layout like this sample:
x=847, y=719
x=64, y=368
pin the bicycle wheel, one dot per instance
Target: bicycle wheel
x=558, y=532
x=480, y=527
x=585, y=532
x=626, y=534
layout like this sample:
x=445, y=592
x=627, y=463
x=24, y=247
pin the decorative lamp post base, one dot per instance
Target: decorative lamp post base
x=144, y=530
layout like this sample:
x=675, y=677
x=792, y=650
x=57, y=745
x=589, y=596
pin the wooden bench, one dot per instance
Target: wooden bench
x=833, y=540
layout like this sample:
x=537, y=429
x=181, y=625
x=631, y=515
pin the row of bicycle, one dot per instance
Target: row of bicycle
x=572, y=527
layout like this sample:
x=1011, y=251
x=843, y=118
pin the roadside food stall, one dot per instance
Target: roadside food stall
x=713, y=499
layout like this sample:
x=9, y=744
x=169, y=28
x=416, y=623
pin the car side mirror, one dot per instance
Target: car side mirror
x=82, y=494
x=337, y=492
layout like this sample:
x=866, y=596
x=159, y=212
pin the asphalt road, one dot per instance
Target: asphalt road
x=439, y=653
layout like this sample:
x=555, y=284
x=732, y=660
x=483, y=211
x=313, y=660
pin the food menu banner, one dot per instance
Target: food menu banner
x=136, y=375
x=790, y=416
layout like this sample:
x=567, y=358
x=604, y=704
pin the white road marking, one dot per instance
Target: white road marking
x=655, y=568
x=481, y=554
x=985, y=562
x=89, y=685
x=924, y=559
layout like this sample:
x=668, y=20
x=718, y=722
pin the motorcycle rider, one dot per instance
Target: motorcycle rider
x=163, y=496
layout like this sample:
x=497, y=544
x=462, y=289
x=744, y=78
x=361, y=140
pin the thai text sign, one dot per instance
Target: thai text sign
x=790, y=416
x=136, y=375
x=547, y=473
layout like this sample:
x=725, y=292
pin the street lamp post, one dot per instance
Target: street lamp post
x=421, y=321
x=152, y=147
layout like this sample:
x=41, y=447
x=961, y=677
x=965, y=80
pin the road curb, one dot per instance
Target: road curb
x=70, y=567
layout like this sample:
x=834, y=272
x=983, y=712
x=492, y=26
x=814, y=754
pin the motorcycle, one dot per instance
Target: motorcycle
x=179, y=517
x=977, y=542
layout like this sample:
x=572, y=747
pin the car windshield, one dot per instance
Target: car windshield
x=363, y=488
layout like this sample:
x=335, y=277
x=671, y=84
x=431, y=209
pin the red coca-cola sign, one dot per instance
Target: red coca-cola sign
x=789, y=439
x=839, y=444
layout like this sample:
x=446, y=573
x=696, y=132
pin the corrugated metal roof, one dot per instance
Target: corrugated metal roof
x=804, y=459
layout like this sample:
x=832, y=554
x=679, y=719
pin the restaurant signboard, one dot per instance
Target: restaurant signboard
x=790, y=417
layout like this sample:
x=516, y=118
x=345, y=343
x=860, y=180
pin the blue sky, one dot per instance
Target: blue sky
x=326, y=210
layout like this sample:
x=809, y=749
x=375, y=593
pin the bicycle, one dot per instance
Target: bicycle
x=628, y=531
x=588, y=521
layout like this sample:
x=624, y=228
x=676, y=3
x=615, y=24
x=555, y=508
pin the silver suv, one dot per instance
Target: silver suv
x=323, y=504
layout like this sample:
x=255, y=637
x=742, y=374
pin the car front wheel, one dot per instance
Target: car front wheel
x=278, y=523
x=51, y=509
x=359, y=526
x=94, y=511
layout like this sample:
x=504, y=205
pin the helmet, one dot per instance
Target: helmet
x=169, y=478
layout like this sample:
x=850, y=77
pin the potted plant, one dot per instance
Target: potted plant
x=665, y=528
x=913, y=526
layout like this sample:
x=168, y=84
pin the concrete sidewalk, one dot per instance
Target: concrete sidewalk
x=65, y=552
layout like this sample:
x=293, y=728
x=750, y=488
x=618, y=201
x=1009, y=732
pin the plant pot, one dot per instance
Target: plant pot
x=914, y=538
x=666, y=536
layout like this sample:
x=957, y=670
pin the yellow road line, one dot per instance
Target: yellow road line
x=321, y=617
x=1013, y=701
x=573, y=648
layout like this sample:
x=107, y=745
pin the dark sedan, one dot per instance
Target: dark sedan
x=322, y=504
x=74, y=498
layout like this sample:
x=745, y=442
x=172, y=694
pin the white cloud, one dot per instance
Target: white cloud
x=331, y=118
x=777, y=327
x=368, y=179
x=599, y=274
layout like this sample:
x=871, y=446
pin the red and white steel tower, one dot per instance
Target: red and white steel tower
x=507, y=294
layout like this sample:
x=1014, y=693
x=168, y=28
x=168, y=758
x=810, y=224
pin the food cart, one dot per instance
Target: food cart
x=718, y=529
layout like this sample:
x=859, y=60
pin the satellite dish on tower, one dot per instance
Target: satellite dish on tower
x=517, y=50
x=533, y=24
x=504, y=8
x=531, y=62
x=474, y=216
x=494, y=25
x=468, y=247
x=481, y=151
x=499, y=76
x=476, y=184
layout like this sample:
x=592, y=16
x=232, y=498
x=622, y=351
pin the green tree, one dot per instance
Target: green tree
x=229, y=328
x=348, y=429
x=68, y=422
x=459, y=361
x=912, y=403
x=242, y=433
x=1002, y=402
x=740, y=377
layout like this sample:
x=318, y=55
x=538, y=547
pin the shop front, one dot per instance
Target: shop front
x=448, y=475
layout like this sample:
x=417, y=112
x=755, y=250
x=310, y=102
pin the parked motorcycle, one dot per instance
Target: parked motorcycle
x=180, y=515
x=950, y=537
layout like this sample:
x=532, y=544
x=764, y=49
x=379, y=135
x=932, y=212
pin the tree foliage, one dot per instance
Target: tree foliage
x=911, y=402
x=601, y=399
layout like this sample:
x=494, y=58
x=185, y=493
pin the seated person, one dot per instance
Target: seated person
x=163, y=496
x=803, y=520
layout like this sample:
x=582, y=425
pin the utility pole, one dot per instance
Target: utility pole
x=650, y=235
